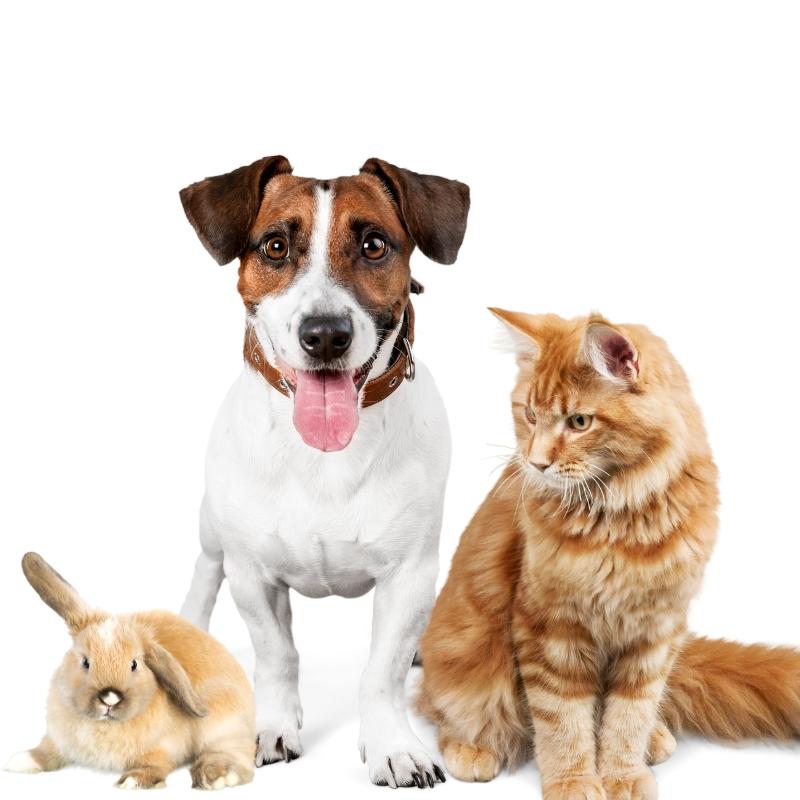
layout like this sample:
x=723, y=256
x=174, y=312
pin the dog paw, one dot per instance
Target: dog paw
x=272, y=746
x=638, y=785
x=662, y=744
x=581, y=788
x=471, y=762
x=22, y=762
x=142, y=778
x=402, y=765
x=217, y=772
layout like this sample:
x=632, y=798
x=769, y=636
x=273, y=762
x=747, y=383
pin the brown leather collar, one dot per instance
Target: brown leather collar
x=402, y=368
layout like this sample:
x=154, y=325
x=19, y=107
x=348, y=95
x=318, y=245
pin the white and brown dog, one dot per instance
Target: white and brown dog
x=327, y=464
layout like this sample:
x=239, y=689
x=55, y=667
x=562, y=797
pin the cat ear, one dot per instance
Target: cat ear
x=521, y=330
x=610, y=353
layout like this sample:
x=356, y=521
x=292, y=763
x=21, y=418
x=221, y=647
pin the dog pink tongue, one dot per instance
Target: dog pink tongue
x=326, y=409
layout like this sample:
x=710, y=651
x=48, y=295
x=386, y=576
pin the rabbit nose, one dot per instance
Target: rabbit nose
x=111, y=697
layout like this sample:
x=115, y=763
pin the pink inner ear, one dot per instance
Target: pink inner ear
x=618, y=353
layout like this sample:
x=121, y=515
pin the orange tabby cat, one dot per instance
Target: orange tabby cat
x=564, y=616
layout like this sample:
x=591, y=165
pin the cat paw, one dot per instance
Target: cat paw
x=584, y=788
x=141, y=778
x=662, y=744
x=218, y=772
x=638, y=785
x=470, y=762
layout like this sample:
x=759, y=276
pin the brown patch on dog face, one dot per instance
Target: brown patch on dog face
x=287, y=210
x=362, y=209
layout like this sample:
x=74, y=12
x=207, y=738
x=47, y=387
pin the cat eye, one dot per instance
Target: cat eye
x=85, y=662
x=134, y=665
x=529, y=415
x=580, y=422
x=373, y=247
x=276, y=248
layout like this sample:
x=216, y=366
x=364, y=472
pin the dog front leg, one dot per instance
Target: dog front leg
x=394, y=755
x=266, y=611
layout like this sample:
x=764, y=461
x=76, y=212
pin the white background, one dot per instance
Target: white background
x=642, y=159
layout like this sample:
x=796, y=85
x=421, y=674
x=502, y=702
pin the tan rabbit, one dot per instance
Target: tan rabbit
x=141, y=694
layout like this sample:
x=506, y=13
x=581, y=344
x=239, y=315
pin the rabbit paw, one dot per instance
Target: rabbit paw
x=141, y=778
x=638, y=785
x=218, y=772
x=23, y=762
x=471, y=762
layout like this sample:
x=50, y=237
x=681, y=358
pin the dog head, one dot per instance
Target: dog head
x=324, y=270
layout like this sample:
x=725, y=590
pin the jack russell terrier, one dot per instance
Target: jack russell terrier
x=327, y=463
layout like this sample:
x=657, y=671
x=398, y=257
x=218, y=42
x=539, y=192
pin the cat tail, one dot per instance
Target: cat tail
x=725, y=690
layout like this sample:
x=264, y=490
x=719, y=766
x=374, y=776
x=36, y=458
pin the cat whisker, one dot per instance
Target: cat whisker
x=567, y=495
x=589, y=494
x=500, y=486
x=599, y=469
x=502, y=446
x=600, y=488
x=600, y=482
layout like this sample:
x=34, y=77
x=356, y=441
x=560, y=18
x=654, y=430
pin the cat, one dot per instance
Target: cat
x=562, y=624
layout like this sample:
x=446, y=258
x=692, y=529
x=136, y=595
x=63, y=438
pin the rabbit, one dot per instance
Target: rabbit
x=141, y=694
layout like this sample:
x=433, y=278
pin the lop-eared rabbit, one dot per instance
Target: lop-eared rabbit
x=141, y=694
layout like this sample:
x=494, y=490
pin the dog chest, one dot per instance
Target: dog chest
x=318, y=545
x=326, y=523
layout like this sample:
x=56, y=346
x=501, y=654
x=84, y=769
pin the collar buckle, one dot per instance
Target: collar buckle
x=411, y=367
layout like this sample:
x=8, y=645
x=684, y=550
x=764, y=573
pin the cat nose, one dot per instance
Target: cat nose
x=111, y=697
x=541, y=465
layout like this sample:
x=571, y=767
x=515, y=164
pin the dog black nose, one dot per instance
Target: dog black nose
x=326, y=338
x=110, y=697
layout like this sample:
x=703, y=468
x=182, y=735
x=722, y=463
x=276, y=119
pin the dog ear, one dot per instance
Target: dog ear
x=173, y=679
x=433, y=209
x=223, y=208
x=56, y=592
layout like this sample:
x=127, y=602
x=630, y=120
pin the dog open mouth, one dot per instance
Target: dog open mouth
x=326, y=405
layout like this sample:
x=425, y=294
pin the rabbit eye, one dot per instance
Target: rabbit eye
x=85, y=662
x=134, y=665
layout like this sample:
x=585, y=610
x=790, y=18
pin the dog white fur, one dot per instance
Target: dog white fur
x=280, y=515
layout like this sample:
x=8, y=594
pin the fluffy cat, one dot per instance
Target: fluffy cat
x=563, y=619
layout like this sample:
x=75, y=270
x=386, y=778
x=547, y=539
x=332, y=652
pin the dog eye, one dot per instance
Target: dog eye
x=373, y=248
x=529, y=415
x=85, y=662
x=580, y=422
x=276, y=248
x=134, y=665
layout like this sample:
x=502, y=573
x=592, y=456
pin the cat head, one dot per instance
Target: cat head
x=603, y=413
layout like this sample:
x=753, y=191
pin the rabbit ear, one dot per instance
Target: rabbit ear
x=56, y=592
x=174, y=680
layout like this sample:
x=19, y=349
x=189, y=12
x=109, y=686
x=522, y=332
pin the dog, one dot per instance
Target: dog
x=327, y=464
